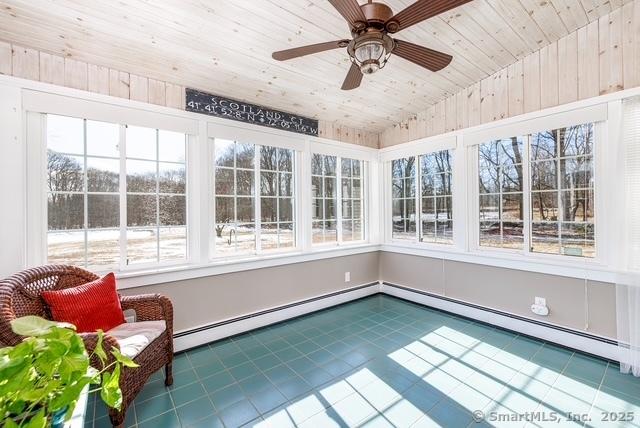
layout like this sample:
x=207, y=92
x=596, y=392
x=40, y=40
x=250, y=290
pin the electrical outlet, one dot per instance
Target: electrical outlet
x=540, y=301
x=347, y=277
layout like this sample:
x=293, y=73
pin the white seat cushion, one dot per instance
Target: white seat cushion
x=133, y=337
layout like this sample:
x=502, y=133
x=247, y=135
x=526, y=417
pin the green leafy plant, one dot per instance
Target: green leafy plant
x=45, y=373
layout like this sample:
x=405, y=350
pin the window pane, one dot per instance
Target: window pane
x=356, y=168
x=142, y=245
x=512, y=235
x=428, y=209
x=577, y=239
x=103, y=139
x=225, y=239
x=329, y=187
x=330, y=165
x=488, y=155
x=512, y=180
x=224, y=210
x=544, y=175
x=545, y=238
x=357, y=209
x=577, y=205
x=442, y=184
x=329, y=209
x=224, y=181
x=544, y=145
x=330, y=231
x=171, y=146
x=489, y=180
x=490, y=234
x=402, y=168
x=268, y=158
x=317, y=232
x=245, y=236
x=286, y=209
x=65, y=173
x=285, y=160
x=173, y=211
x=286, y=184
x=576, y=173
x=409, y=185
x=103, y=175
x=65, y=248
x=429, y=231
x=357, y=188
x=245, y=155
x=512, y=207
x=142, y=143
x=347, y=211
x=317, y=164
x=141, y=176
x=103, y=248
x=317, y=209
x=269, y=237
x=268, y=209
x=428, y=185
x=316, y=187
x=510, y=151
x=346, y=167
x=577, y=140
x=269, y=183
x=244, y=182
x=173, y=243
x=346, y=188
x=65, y=211
x=489, y=207
x=444, y=208
x=286, y=235
x=173, y=178
x=245, y=210
x=103, y=211
x=141, y=210
x=397, y=188
x=224, y=152
x=444, y=232
x=65, y=134
x=544, y=206
x=347, y=230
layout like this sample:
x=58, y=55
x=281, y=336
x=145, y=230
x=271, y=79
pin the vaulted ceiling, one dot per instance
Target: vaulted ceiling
x=225, y=46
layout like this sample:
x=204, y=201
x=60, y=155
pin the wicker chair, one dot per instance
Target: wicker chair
x=20, y=296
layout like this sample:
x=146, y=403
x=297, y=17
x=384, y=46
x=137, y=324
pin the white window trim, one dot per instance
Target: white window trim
x=28, y=219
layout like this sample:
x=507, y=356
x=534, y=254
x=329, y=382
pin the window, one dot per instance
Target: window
x=91, y=221
x=156, y=195
x=501, y=197
x=246, y=221
x=333, y=222
x=435, y=202
x=562, y=201
x=559, y=191
x=403, y=198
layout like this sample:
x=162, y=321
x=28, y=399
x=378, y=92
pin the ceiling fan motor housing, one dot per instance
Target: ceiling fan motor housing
x=377, y=14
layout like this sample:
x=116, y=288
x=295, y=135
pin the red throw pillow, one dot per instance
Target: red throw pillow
x=90, y=307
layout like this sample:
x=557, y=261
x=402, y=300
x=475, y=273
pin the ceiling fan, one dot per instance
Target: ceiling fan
x=371, y=45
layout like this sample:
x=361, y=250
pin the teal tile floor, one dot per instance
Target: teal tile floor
x=384, y=362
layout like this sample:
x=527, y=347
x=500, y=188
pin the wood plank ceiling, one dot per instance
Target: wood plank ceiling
x=225, y=46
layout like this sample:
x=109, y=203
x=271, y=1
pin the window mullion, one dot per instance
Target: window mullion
x=526, y=197
x=256, y=191
x=158, y=195
x=122, y=146
x=418, y=199
x=338, y=196
x=85, y=183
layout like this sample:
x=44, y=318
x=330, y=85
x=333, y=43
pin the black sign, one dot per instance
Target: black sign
x=202, y=102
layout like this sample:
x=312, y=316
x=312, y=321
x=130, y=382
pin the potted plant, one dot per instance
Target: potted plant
x=42, y=377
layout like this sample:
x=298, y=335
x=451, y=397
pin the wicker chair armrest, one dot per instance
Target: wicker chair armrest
x=150, y=307
x=91, y=341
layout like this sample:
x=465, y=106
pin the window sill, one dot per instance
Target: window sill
x=573, y=268
x=141, y=278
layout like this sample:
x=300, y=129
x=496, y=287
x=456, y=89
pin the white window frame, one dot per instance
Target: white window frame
x=37, y=167
x=364, y=167
x=599, y=215
x=258, y=252
x=424, y=147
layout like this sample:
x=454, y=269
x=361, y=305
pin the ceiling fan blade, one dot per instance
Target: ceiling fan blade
x=350, y=10
x=353, y=79
x=421, y=10
x=308, y=50
x=424, y=57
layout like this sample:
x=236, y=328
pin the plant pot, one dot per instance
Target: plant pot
x=57, y=418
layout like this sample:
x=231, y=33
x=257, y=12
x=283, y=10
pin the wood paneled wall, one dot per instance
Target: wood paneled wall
x=32, y=64
x=599, y=58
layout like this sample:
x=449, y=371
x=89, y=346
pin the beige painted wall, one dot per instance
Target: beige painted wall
x=578, y=304
x=210, y=299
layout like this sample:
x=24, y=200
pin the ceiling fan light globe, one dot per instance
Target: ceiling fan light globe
x=370, y=66
x=369, y=50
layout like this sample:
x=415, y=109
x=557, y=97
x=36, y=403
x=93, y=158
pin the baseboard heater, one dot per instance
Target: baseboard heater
x=194, y=337
x=563, y=336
